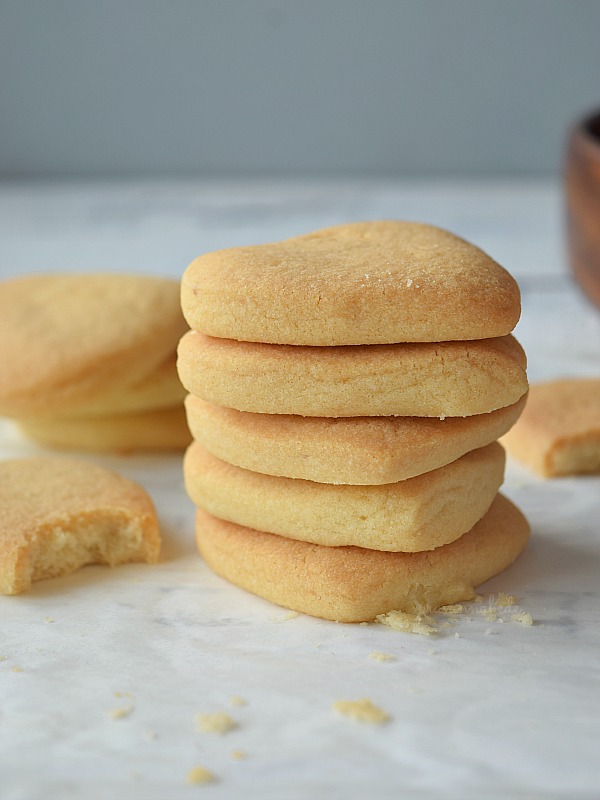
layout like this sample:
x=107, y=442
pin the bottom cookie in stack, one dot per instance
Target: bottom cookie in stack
x=353, y=584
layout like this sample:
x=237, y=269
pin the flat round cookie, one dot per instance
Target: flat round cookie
x=67, y=340
x=59, y=514
x=362, y=283
x=559, y=433
x=421, y=513
x=446, y=379
x=351, y=584
x=160, y=388
x=354, y=450
x=162, y=430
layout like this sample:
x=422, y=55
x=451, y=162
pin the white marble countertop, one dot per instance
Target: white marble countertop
x=484, y=709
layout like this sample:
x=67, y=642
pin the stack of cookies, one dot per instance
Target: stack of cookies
x=88, y=361
x=347, y=390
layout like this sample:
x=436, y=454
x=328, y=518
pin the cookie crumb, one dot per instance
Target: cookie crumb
x=488, y=632
x=504, y=600
x=199, y=775
x=362, y=711
x=218, y=722
x=489, y=613
x=377, y=656
x=523, y=618
x=421, y=624
x=48, y=620
x=236, y=700
x=151, y=735
x=16, y=669
x=239, y=755
x=454, y=608
x=120, y=713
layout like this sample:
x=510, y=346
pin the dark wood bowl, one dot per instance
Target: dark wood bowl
x=582, y=187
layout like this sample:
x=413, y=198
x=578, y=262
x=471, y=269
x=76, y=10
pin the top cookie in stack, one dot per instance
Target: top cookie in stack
x=327, y=358
x=362, y=283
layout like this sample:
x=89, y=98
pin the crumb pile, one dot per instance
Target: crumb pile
x=347, y=389
x=87, y=361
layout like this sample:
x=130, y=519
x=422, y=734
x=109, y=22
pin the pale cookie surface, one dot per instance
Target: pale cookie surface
x=59, y=514
x=162, y=430
x=159, y=389
x=363, y=283
x=447, y=379
x=417, y=514
x=351, y=584
x=559, y=431
x=355, y=450
x=68, y=340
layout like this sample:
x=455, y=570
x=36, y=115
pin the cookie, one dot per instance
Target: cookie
x=362, y=283
x=355, y=450
x=68, y=340
x=162, y=430
x=159, y=389
x=559, y=432
x=447, y=379
x=59, y=514
x=417, y=514
x=351, y=584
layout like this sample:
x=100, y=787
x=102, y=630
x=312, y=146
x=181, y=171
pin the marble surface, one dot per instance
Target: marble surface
x=483, y=709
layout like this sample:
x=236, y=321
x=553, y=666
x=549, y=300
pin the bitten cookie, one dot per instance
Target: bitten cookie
x=59, y=514
x=69, y=340
x=350, y=584
x=417, y=514
x=363, y=283
x=559, y=431
x=162, y=430
x=354, y=450
x=446, y=379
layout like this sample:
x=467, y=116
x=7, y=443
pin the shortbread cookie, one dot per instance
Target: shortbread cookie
x=351, y=584
x=69, y=340
x=363, y=283
x=59, y=514
x=355, y=450
x=559, y=432
x=159, y=389
x=417, y=514
x=447, y=379
x=162, y=430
